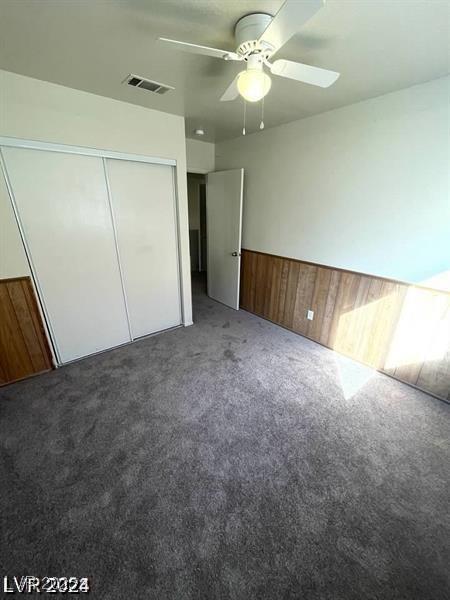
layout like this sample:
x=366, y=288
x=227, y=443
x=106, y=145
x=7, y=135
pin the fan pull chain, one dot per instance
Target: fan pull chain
x=261, y=125
x=245, y=114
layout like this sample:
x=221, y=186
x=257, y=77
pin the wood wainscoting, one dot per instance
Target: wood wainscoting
x=24, y=349
x=400, y=329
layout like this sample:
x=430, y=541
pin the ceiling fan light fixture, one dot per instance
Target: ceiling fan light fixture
x=253, y=84
x=258, y=37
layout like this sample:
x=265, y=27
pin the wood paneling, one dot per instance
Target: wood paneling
x=401, y=329
x=24, y=350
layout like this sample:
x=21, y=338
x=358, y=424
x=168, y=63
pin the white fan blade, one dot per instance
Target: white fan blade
x=232, y=92
x=205, y=50
x=288, y=21
x=304, y=73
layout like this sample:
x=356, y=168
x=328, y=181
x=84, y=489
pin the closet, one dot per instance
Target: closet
x=143, y=208
x=101, y=237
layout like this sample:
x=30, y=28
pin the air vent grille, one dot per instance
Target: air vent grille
x=147, y=84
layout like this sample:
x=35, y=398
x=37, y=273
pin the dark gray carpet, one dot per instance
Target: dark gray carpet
x=224, y=461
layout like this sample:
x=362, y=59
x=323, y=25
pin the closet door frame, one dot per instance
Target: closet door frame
x=103, y=154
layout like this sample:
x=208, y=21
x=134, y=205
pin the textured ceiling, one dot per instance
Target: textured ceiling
x=378, y=46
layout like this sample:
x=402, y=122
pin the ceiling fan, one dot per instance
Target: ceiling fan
x=259, y=36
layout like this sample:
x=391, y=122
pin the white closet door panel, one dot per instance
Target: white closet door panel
x=144, y=211
x=63, y=205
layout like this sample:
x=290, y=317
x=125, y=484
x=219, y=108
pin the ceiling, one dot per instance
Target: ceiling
x=378, y=46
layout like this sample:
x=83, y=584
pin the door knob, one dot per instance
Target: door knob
x=235, y=254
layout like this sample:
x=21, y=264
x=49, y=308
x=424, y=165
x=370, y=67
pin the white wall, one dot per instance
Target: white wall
x=364, y=187
x=37, y=110
x=200, y=156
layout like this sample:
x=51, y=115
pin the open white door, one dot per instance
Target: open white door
x=224, y=227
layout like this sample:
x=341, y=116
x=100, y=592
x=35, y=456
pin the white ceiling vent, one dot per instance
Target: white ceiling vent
x=147, y=84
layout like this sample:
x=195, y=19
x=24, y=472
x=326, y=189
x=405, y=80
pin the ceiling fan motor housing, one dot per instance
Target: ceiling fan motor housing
x=247, y=32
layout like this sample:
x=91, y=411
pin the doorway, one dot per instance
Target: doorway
x=215, y=227
x=196, y=185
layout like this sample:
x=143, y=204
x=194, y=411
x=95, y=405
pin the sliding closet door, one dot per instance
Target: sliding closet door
x=63, y=206
x=143, y=203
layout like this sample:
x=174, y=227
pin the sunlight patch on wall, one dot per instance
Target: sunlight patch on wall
x=364, y=332
x=405, y=333
x=423, y=330
x=441, y=281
